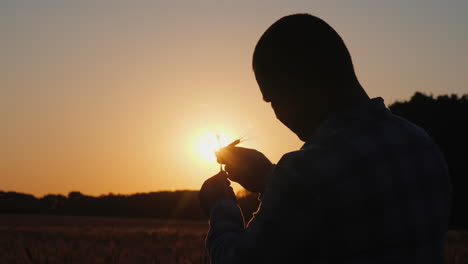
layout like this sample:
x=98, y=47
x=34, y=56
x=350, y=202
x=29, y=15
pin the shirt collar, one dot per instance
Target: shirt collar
x=334, y=121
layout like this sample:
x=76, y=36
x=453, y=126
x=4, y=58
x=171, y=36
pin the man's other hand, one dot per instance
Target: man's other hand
x=215, y=189
x=248, y=167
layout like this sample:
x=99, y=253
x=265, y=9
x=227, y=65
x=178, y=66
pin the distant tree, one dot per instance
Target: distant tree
x=13, y=202
x=75, y=195
x=53, y=203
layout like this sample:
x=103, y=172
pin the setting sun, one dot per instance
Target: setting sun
x=209, y=143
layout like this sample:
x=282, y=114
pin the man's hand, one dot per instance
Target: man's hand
x=248, y=167
x=215, y=189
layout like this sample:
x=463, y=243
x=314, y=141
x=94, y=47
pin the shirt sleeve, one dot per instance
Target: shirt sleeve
x=229, y=241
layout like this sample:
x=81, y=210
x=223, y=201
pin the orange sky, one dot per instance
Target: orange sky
x=116, y=96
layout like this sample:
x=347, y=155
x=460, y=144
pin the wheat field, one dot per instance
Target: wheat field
x=73, y=239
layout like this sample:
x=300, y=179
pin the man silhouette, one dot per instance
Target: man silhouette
x=366, y=187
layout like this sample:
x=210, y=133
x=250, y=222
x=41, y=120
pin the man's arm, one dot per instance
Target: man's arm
x=229, y=242
x=226, y=226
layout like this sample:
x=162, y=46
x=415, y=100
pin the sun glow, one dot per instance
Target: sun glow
x=209, y=143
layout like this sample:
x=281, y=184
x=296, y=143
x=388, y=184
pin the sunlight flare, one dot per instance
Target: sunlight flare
x=209, y=143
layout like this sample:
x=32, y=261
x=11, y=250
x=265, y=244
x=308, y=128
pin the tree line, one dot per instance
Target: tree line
x=163, y=205
x=445, y=118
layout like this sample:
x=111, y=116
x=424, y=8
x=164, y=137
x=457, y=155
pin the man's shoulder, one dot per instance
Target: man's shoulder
x=412, y=130
x=366, y=137
x=359, y=143
x=305, y=166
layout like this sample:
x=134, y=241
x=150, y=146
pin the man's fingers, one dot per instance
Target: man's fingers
x=233, y=174
x=230, y=170
x=214, y=189
x=219, y=158
x=221, y=174
x=230, y=155
x=220, y=178
x=225, y=156
x=217, y=180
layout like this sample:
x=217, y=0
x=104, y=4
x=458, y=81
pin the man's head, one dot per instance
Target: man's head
x=304, y=70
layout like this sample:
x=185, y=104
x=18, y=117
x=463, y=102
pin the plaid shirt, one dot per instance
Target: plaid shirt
x=368, y=187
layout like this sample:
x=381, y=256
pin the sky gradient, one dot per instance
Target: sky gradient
x=116, y=96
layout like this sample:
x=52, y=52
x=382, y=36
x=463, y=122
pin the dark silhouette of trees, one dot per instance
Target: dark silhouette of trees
x=177, y=204
x=445, y=118
x=163, y=205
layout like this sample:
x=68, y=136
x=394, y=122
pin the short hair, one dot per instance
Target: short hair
x=304, y=46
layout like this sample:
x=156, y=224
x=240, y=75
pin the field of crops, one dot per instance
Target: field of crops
x=69, y=239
